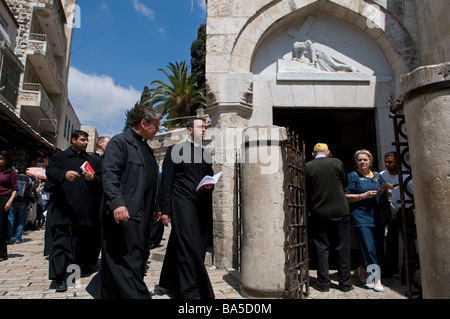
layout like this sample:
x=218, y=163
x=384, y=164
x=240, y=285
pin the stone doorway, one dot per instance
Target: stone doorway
x=345, y=131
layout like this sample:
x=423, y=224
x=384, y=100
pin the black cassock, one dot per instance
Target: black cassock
x=129, y=179
x=74, y=216
x=184, y=272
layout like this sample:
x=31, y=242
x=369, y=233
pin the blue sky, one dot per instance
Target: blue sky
x=118, y=47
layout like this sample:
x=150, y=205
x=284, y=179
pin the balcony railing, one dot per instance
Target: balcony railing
x=53, y=18
x=39, y=46
x=33, y=94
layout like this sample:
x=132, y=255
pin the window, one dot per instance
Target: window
x=68, y=132
x=65, y=127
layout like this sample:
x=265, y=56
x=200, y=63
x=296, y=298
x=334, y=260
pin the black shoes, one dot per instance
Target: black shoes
x=62, y=287
x=347, y=288
x=317, y=287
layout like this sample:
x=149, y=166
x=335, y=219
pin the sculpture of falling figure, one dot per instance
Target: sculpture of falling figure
x=305, y=52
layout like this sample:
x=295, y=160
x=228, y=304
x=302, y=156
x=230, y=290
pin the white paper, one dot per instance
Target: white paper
x=207, y=180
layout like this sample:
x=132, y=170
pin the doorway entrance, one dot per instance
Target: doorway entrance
x=344, y=130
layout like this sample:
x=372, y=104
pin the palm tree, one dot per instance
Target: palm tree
x=180, y=97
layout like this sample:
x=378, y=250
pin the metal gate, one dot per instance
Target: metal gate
x=297, y=262
x=237, y=213
x=408, y=227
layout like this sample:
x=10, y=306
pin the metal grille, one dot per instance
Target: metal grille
x=408, y=226
x=237, y=213
x=297, y=283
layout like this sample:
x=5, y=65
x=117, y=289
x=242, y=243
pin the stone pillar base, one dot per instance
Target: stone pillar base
x=263, y=255
x=426, y=107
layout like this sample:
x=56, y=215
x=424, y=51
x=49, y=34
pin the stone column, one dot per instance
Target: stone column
x=229, y=108
x=426, y=106
x=263, y=239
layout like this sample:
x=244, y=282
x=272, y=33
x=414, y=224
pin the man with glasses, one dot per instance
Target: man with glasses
x=190, y=213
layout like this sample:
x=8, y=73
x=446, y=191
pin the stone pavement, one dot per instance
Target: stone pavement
x=25, y=276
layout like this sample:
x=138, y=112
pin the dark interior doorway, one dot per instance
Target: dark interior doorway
x=344, y=130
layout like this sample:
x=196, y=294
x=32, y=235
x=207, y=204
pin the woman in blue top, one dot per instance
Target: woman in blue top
x=363, y=192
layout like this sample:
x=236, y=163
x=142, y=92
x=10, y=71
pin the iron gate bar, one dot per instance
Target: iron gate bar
x=297, y=283
x=238, y=211
x=408, y=228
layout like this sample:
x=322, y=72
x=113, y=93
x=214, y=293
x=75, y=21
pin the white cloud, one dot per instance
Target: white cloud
x=100, y=102
x=143, y=9
x=104, y=7
x=202, y=4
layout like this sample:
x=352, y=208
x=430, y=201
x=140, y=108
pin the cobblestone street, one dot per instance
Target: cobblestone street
x=25, y=276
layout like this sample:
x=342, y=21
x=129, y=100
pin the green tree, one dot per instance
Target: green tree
x=129, y=116
x=144, y=101
x=198, y=56
x=180, y=97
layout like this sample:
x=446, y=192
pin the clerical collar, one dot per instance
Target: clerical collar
x=138, y=136
x=195, y=144
x=75, y=152
x=320, y=156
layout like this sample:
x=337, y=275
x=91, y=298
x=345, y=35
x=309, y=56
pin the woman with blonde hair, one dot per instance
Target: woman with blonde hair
x=363, y=193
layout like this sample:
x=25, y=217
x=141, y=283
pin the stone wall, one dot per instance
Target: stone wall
x=427, y=115
x=434, y=31
x=239, y=36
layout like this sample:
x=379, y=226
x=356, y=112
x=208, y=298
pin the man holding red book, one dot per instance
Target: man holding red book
x=74, y=217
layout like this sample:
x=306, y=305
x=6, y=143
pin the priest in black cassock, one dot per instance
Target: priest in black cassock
x=130, y=176
x=74, y=217
x=190, y=213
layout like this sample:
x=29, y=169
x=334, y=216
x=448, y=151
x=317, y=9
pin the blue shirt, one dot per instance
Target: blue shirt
x=364, y=213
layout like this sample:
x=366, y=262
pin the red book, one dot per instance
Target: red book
x=86, y=167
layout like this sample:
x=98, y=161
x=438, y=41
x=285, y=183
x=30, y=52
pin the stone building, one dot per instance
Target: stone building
x=327, y=69
x=44, y=39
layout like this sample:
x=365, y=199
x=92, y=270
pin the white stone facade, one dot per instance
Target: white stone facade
x=250, y=70
x=44, y=46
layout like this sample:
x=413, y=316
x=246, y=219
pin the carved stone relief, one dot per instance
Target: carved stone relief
x=307, y=53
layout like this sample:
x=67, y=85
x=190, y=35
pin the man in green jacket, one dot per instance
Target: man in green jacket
x=329, y=221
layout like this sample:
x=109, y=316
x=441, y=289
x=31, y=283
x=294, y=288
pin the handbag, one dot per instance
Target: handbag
x=384, y=205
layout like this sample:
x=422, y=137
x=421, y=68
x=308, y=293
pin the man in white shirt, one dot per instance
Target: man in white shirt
x=101, y=145
x=392, y=237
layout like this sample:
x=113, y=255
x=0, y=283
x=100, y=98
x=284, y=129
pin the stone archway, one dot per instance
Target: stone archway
x=376, y=22
x=236, y=30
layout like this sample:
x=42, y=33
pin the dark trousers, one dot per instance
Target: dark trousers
x=332, y=233
x=73, y=245
x=125, y=253
x=392, y=245
x=62, y=254
x=371, y=242
x=3, y=224
x=392, y=242
x=156, y=233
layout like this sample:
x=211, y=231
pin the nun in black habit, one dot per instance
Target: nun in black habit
x=190, y=213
